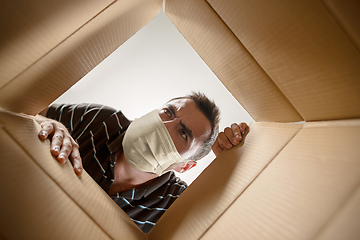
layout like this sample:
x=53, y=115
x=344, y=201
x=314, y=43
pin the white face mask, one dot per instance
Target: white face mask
x=148, y=146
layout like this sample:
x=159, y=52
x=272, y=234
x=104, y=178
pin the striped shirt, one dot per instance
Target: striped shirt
x=99, y=131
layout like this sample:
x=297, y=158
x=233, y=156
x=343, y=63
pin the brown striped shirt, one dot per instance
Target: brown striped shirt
x=99, y=131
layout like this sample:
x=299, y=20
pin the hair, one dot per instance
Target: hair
x=212, y=113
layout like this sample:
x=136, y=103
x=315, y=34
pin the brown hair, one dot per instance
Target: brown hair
x=212, y=113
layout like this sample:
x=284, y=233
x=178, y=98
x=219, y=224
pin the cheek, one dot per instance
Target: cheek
x=180, y=147
x=192, y=150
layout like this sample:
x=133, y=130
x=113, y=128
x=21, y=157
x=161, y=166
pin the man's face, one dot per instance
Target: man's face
x=187, y=125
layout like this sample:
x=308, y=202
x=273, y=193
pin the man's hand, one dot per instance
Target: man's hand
x=63, y=146
x=230, y=137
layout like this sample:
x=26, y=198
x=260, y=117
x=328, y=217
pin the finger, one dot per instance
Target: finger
x=46, y=130
x=223, y=139
x=243, y=127
x=56, y=143
x=66, y=149
x=236, y=130
x=76, y=160
x=244, y=131
x=230, y=136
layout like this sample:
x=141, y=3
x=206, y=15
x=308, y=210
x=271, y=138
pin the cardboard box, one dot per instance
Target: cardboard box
x=294, y=66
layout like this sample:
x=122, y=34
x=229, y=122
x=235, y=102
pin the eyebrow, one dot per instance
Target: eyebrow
x=187, y=130
x=171, y=108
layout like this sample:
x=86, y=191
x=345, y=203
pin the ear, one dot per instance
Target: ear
x=183, y=167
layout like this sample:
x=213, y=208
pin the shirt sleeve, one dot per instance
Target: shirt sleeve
x=79, y=117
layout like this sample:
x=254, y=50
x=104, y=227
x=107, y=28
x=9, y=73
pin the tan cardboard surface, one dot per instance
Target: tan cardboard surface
x=84, y=192
x=32, y=205
x=301, y=189
x=204, y=201
x=304, y=50
x=30, y=29
x=68, y=62
x=345, y=222
x=286, y=182
x=347, y=15
x=230, y=61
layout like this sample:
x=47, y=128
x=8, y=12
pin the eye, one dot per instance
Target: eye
x=167, y=112
x=183, y=134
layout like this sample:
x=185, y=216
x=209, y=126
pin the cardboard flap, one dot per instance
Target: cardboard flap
x=305, y=48
x=230, y=61
x=33, y=206
x=55, y=72
x=30, y=162
x=205, y=200
x=301, y=189
x=347, y=15
x=31, y=29
x=344, y=224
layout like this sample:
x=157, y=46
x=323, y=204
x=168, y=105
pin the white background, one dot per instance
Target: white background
x=153, y=66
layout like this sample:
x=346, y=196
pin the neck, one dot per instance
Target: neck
x=127, y=177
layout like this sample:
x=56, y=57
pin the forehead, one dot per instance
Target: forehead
x=183, y=103
x=188, y=111
x=186, y=107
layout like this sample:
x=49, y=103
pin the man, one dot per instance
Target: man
x=126, y=159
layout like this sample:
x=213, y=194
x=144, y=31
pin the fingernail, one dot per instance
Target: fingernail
x=44, y=134
x=78, y=171
x=62, y=157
